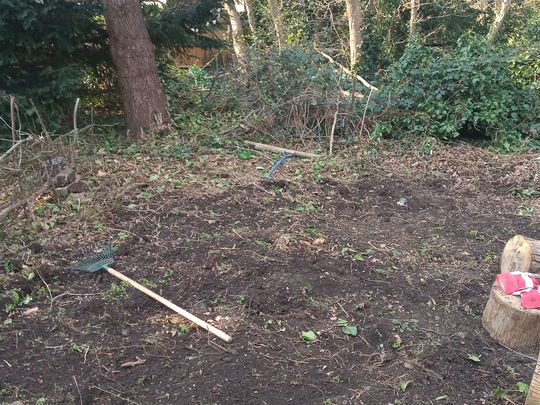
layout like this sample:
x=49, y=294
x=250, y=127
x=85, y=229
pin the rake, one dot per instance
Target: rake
x=102, y=261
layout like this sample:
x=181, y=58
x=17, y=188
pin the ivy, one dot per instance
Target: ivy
x=470, y=90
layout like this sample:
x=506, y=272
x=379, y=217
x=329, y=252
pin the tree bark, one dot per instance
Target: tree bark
x=277, y=18
x=355, y=17
x=499, y=19
x=248, y=4
x=521, y=254
x=133, y=54
x=237, y=31
x=415, y=7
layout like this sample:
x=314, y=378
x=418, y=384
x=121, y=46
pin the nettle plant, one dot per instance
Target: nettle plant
x=469, y=91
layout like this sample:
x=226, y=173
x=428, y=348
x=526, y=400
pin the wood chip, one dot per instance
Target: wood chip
x=137, y=362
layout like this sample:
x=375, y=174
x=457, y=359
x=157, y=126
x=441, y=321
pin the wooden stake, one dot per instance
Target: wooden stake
x=271, y=148
x=521, y=254
x=533, y=397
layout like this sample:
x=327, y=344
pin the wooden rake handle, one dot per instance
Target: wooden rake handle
x=212, y=329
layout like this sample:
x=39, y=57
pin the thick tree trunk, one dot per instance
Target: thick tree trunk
x=499, y=19
x=415, y=7
x=248, y=4
x=133, y=54
x=354, y=15
x=237, y=32
x=277, y=18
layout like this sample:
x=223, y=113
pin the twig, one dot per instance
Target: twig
x=5, y=211
x=40, y=119
x=75, y=130
x=332, y=133
x=115, y=395
x=12, y=113
x=78, y=390
x=48, y=289
x=348, y=71
x=13, y=147
x=516, y=352
x=133, y=363
x=364, y=115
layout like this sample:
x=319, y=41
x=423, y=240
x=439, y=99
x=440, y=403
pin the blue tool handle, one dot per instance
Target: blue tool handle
x=279, y=162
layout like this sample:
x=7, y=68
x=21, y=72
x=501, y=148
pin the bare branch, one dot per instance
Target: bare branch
x=348, y=71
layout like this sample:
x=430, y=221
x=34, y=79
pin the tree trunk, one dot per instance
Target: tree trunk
x=521, y=254
x=354, y=14
x=499, y=19
x=133, y=54
x=237, y=32
x=248, y=4
x=277, y=18
x=415, y=7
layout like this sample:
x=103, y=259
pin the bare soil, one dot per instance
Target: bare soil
x=268, y=261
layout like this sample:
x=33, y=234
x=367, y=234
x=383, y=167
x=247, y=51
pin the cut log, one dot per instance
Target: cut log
x=521, y=254
x=533, y=397
x=509, y=323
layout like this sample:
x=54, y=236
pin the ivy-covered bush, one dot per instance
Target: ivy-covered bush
x=468, y=90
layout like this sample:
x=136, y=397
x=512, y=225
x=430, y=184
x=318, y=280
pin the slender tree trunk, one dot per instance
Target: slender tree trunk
x=248, y=4
x=499, y=19
x=237, y=31
x=133, y=54
x=355, y=17
x=277, y=18
x=415, y=7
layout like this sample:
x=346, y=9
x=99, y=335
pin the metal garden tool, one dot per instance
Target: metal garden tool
x=103, y=260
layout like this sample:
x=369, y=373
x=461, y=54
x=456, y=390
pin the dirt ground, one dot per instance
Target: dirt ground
x=332, y=291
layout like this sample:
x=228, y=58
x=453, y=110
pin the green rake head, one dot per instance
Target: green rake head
x=100, y=261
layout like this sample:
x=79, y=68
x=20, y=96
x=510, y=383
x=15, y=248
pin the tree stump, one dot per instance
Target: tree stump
x=521, y=254
x=509, y=323
x=533, y=397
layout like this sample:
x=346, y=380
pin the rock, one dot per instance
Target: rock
x=78, y=186
x=64, y=178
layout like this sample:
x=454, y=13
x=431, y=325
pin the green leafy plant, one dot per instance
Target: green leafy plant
x=347, y=328
x=308, y=336
x=467, y=92
x=474, y=357
x=522, y=387
x=403, y=385
x=78, y=348
x=142, y=380
x=405, y=325
x=17, y=299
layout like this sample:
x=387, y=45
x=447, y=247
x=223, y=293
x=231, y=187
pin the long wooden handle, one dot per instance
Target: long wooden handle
x=212, y=329
x=533, y=397
x=272, y=148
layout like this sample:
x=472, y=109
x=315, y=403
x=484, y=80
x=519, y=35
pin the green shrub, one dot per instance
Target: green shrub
x=470, y=90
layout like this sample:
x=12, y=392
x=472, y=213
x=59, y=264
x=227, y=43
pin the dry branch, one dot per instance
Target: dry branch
x=19, y=203
x=271, y=148
x=348, y=71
